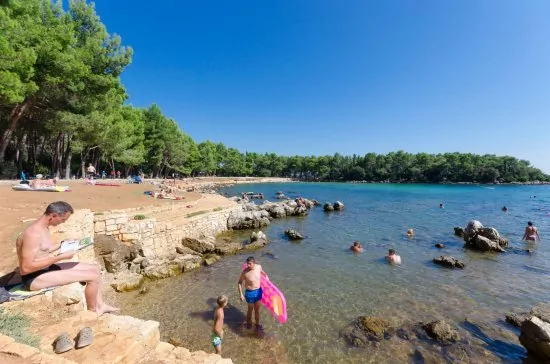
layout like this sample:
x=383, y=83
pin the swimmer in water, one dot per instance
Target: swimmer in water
x=441, y=206
x=392, y=257
x=504, y=209
x=356, y=247
x=531, y=233
x=410, y=233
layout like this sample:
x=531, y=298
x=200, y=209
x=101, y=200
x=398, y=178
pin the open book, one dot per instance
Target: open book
x=69, y=245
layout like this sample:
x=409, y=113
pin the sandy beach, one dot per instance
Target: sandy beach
x=20, y=208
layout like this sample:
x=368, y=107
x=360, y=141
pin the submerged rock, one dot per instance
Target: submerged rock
x=127, y=281
x=449, y=261
x=440, y=246
x=459, y=232
x=338, y=206
x=517, y=319
x=328, y=207
x=365, y=330
x=440, y=330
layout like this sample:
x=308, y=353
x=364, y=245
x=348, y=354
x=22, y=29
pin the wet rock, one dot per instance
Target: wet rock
x=459, y=232
x=204, y=245
x=449, y=261
x=478, y=237
x=441, y=331
x=270, y=255
x=126, y=281
x=517, y=319
x=293, y=234
x=365, y=330
x=484, y=244
x=440, y=246
x=211, y=259
x=535, y=337
x=260, y=235
x=185, y=250
x=542, y=311
x=338, y=206
x=328, y=207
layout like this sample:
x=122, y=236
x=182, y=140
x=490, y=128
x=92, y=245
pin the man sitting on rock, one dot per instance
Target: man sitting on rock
x=40, y=269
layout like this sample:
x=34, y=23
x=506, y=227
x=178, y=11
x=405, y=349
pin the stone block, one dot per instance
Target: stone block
x=5, y=341
x=129, y=237
x=110, y=221
x=164, y=349
x=19, y=350
x=122, y=220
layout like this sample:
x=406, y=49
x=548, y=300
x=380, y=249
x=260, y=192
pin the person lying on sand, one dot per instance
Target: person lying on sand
x=40, y=269
x=38, y=182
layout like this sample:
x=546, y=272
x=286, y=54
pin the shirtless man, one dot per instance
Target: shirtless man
x=356, y=247
x=40, y=269
x=253, y=293
x=531, y=233
x=392, y=257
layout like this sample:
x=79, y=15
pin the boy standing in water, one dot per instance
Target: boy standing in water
x=217, y=329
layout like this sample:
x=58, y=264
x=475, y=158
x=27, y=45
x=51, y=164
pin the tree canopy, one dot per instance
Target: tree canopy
x=62, y=106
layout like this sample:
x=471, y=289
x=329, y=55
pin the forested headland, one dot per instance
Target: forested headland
x=62, y=106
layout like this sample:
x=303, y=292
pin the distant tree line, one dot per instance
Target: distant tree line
x=62, y=106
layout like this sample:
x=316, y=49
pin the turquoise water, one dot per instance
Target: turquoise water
x=326, y=286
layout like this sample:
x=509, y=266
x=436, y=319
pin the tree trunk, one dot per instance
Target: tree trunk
x=20, y=155
x=68, y=158
x=15, y=115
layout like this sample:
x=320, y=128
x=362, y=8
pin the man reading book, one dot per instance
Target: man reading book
x=40, y=269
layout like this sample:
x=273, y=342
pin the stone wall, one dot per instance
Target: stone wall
x=159, y=236
x=79, y=226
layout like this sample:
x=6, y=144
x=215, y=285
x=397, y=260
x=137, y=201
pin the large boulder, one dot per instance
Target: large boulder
x=204, y=245
x=114, y=255
x=338, y=206
x=535, y=337
x=478, y=237
x=448, y=261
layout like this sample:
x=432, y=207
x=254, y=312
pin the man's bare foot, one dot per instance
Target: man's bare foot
x=106, y=309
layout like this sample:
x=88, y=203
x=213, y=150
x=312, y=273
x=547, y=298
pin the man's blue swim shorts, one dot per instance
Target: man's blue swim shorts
x=253, y=296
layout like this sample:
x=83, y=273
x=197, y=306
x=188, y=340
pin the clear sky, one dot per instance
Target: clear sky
x=353, y=76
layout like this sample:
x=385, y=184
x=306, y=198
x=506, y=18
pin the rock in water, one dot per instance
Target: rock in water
x=338, y=206
x=459, y=232
x=441, y=331
x=293, y=234
x=440, y=246
x=535, y=337
x=448, y=261
x=328, y=207
x=365, y=330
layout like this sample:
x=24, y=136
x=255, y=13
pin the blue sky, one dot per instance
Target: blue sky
x=319, y=77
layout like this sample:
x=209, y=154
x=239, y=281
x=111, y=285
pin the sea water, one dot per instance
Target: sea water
x=326, y=286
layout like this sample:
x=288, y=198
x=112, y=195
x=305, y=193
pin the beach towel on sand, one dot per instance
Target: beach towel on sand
x=18, y=292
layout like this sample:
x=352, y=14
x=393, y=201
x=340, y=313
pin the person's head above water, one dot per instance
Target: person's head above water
x=529, y=223
x=391, y=252
x=355, y=243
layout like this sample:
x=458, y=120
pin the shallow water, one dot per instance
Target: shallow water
x=326, y=286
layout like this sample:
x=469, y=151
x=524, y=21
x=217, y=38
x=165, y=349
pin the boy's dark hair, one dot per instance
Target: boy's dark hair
x=529, y=223
x=391, y=251
x=59, y=208
x=250, y=259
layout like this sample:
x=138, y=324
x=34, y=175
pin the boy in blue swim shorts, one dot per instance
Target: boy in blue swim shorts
x=217, y=329
x=251, y=277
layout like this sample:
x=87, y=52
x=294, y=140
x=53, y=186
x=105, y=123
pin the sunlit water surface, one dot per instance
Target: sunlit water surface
x=326, y=286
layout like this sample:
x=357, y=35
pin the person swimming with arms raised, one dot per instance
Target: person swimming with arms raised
x=531, y=233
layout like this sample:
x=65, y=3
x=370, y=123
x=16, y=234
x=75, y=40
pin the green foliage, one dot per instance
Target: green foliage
x=62, y=106
x=217, y=209
x=16, y=326
x=140, y=217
